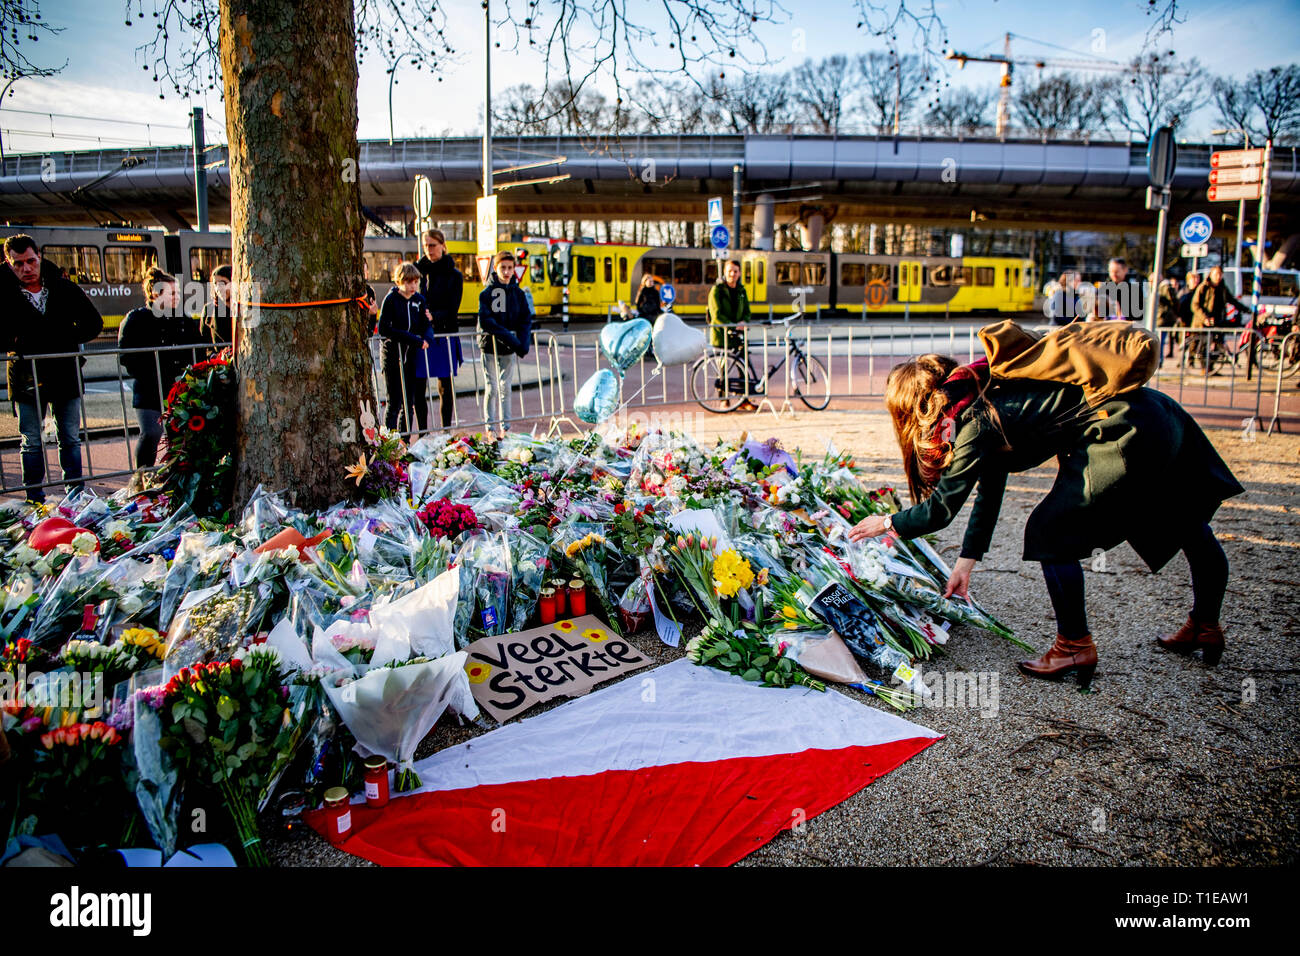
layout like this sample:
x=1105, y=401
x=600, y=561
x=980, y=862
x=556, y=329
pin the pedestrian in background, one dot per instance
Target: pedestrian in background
x=1119, y=297
x=403, y=320
x=648, y=304
x=43, y=312
x=218, y=312
x=728, y=305
x=1166, y=311
x=1063, y=306
x=505, y=325
x=161, y=326
x=441, y=284
x=1210, y=311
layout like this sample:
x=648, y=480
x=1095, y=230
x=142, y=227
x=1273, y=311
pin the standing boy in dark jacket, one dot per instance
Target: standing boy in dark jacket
x=505, y=332
x=42, y=312
x=403, y=320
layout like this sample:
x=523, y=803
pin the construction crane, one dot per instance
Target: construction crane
x=1008, y=63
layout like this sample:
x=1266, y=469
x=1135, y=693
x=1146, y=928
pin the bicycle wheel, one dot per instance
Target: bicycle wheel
x=811, y=383
x=1290, y=357
x=719, y=382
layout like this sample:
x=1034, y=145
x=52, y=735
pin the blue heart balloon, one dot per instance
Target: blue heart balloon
x=598, y=397
x=623, y=343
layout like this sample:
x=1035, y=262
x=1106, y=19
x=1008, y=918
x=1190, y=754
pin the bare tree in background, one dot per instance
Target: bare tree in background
x=882, y=75
x=1156, y=91
x=820, y=89
x=759, y=103
x=1061, y=105
x=22, y=24
x=962, y=111
x=1274, y=95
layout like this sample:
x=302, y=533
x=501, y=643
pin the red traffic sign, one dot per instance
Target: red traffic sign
x=1234, y=192
x=1237, y=157
x=1236, y=174
x=484, y=267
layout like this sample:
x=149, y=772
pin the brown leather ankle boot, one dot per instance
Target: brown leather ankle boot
x=1193, y=635
x=1063, y=657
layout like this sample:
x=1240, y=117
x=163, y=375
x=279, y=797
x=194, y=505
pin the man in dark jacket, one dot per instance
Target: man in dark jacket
x=43, y=312
x=162, y=327
x=505, y=333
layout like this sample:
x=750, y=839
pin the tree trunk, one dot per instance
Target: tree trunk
x=290, y=77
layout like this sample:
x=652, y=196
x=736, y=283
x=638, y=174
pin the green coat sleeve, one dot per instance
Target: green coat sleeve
x=717, y=311
x=955, y=485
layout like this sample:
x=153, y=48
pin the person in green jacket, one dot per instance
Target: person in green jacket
x=728, y=305
x=960, y=433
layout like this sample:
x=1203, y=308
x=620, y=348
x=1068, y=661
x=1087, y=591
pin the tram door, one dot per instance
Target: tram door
x=908, y=286
x=753, y=275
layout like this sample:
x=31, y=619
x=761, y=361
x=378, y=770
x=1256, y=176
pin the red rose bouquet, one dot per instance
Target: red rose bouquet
x=229, y=724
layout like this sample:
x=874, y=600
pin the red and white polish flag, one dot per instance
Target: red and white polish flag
x=679, y=766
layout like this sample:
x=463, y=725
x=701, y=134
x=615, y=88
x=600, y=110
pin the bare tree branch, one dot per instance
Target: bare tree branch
x=21, y=24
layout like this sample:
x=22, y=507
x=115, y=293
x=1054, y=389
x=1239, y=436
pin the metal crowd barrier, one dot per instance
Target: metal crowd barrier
x=856, y=360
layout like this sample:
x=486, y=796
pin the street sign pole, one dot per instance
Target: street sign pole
x=1258, y=281
x=1158, y=269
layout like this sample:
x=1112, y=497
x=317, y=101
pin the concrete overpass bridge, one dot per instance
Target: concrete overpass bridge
x=999, y=184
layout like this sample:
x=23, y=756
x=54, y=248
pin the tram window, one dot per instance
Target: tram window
x=204, y=261
x=380, y=265
x=925, y=275
x=985, y=275
x=688, y=271
x=762, y=271
x=745, y=269
x=659, y=268
x=711, y=272
x=880, y=270
x=584, y=267
x=950, y=275
x=1017, y=276
x=787, y=272
x=128, y=263
x=537, y=269
x=853, y=273
x=622, y=269
x=609, y=268
x=81, y=263
x=1006, y=276
x=814, y=273
x=467, y=265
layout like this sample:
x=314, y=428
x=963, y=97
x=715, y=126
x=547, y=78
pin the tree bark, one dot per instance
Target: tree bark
x=290, y=78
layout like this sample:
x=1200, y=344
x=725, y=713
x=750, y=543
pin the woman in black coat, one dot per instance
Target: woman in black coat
x=958, y=432
x=403, y=322
x=441, y=284
x=161, y=325
x=648, y=304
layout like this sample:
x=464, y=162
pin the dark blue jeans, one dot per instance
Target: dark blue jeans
x=67, y=415
x=146, y=449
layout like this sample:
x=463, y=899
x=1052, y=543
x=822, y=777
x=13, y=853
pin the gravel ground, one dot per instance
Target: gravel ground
x=1165, y=762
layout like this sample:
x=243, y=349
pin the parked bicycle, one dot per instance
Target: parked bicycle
x=724, y=379
x=1269, y=340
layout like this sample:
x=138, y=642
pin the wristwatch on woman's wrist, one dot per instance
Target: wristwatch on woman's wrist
x=889, y=522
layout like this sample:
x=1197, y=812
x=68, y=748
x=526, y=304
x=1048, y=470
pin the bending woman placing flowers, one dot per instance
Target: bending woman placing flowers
x=961, y=432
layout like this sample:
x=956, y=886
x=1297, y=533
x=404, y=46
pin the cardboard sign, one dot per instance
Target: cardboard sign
x=510, y=673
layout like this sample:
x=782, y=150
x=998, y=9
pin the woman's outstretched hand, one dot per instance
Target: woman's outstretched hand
x=872, y=526
x=959, y=580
